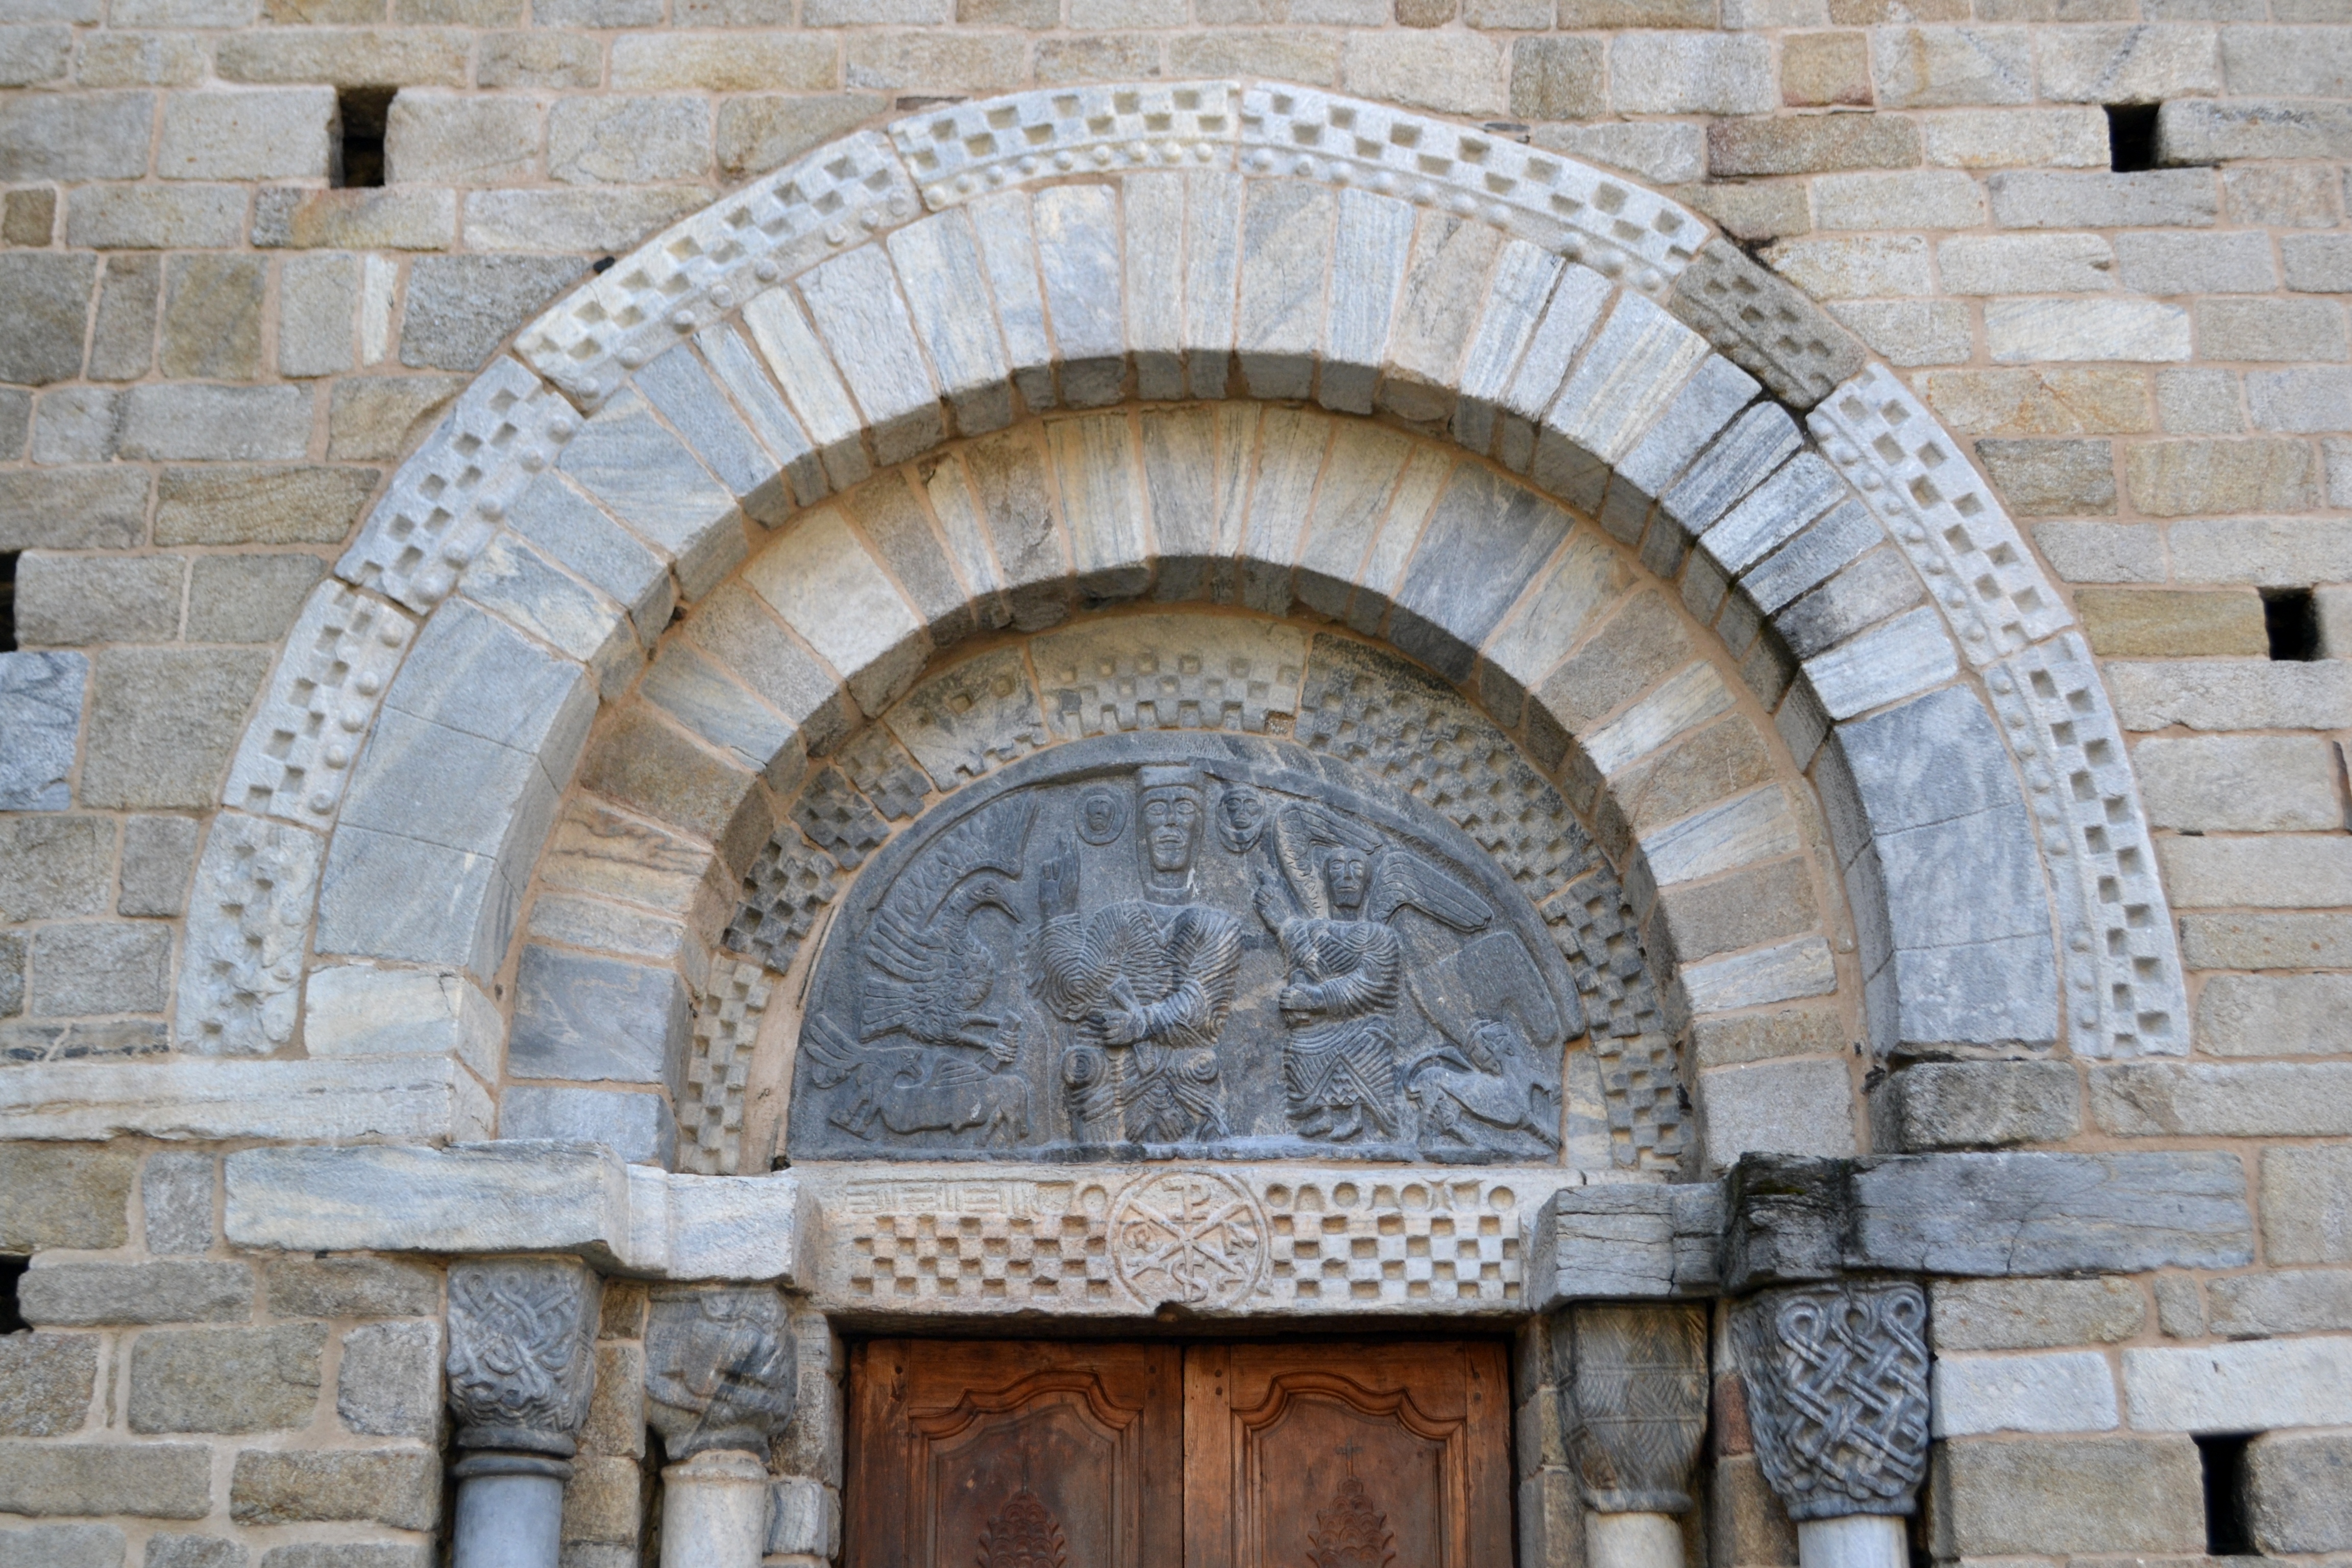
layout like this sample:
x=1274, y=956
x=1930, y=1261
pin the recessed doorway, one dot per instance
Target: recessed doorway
x=1027, y=1454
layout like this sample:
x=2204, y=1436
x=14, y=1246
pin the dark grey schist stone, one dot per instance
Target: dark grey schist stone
x=1618, y=1241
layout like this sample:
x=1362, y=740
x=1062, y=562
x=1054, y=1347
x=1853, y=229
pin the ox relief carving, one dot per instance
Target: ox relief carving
x=1207, y=946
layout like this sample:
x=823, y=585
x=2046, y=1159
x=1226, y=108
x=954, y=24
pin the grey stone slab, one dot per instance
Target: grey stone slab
x=939, y=267
x=1287, y=229
x=1928, y=1106
x=1569, y=318
x=384, y=895
x=226, y=1380
x=79, y=1295
x=1212, y=250
x=1635, y=365
x=854, y=300
x=1077, y=235
x=640, y=1128
x=813, y=386
x=1483, y=543
x=2037, y=1215
x=508, y=1197
x=746, y=636
x=40, y=727
x=597, y=1020
x=1892, y=660
x=389, y=1384
x=737, y=365
x=1990, y=853
x=1765, y=324
x=1811, y=556
x=1800, y=491
x=65, y=1546
x=1375, y=235
x=1523, y=277
x=1618, y=1241
x=1102, y=505
x=1008, y=251
x=1758, y=443
x=1879, y=583
x=1708, y=402
x=886, y=510
x=1998, y=992
x=519, y=585
x=1437, y=308
x=682, y=392
x=1938, y=759
x=691, y=688
x=576, y=532
x=652, y=484
x=1151, y=209
x=471, y=672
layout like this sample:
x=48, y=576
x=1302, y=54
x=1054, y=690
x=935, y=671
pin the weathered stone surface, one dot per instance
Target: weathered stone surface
x=2070, y=1392
x=162, y=721
x=1613, y=1241
x=50, y=304
x=62, y=1546
x=159, y=1292
x=350, y=1288
x=65, y=1196
x=2251, y=1386
x=460, y=307
x=226, y=1380
x=2034, y=1314
x=2234, y=1100
x=2299, y=1491
x=175, y=1191
x=1979, y=1105
x=46, y=1383
x=390, y=1381
x=151, y=1481
x=40, y=717
x=1764, y=325
x=2099, y=1494
x=2047, y=1214
x=592, y=1018
x=194, y=1552
x=398, y=1486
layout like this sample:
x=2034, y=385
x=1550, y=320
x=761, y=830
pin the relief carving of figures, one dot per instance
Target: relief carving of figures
x=720, y=1369
x=1152, y=978
x=1200, y=944
x=1837, y=1394
x=523, y=1361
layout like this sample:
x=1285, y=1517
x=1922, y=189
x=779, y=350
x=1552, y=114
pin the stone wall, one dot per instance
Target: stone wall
x=213, y=362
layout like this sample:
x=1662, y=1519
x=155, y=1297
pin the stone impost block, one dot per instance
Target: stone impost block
x=2249, y=1387
x=1999, y=1498
x=1979, y=1105
x=2299, y=1491
x=86, y=1294
x=1598, y=1242
x=380, y=1097
x=148, y=1480
x=2072, y=1392
x=40, y=725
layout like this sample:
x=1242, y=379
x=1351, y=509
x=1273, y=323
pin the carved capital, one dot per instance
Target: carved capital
x=1633, y=1402
x=1837, y=1394
x=720, y=1369
x=522, y=1335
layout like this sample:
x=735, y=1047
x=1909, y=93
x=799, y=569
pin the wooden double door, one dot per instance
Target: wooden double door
x=1033, y=1455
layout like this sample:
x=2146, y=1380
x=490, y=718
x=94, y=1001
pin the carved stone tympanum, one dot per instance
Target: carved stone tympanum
x=1205, y=944
x=1837, y=1394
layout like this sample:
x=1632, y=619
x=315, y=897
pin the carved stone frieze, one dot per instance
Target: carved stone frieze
x=1836, y=1377
x=1633, y=1402
x=720, y=1368
x=1123, y=1242
x=297, y=755
x=522, y=1361
x=1135, y=942
x=248, y=918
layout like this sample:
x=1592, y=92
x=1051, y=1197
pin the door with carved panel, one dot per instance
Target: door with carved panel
x=1030, y=1455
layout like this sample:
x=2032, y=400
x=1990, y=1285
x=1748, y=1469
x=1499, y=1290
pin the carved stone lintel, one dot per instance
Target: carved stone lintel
x=720, y=1369
x=1633, y=1402
x=523, y=1361
x=1836, y=1377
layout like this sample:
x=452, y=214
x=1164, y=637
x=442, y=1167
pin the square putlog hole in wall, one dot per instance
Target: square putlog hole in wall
x=360, y=116
x=2291, y=617
x=2131, y=137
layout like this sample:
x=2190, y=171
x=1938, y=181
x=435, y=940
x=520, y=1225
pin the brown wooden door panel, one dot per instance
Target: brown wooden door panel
x=1339, y=1456
x=1014, y=1455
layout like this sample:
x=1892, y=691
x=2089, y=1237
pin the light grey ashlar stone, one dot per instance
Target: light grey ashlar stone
x=738, y=369
x=813, y=386
x=1375, y=236
x=1594, y=1243
x=585, y=1018
x=581, y=537
x=148, y=1480
x=1008, y=253
x=1516, y=295
x=1077, y=238
x=78, y=1295
x=178, y=1098
x=1636, y=364
x=1757, y=444
x=516, y=582
x=241, y=970
x=1212, y=259
x=165, y=1551
x=40, y=727
x=318, y=299
x=205, y=422
x=2070, y=1392
x=2253, y=1385
x=854, y=300
x=65, y=1546
x=175, y=1191
x=1898, y=658
x=640, y=1128
x=939, y=266
x=1708, y=402
x=2035, y=1314
x=683, y=393
x=1773, y=513
x=1287, y=235
x=251, y=133
x=75, y=425
x=2299, y=1491
x=1978, y=1105
x=1151, y=209
x=1764, y=324
x=646, y=478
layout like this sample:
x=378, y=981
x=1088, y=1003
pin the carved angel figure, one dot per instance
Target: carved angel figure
x=1346, y=964
x=1154, y=976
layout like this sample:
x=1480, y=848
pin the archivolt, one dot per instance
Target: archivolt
x=1158, y=242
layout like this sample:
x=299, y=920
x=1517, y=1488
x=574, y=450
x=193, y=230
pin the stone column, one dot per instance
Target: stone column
x=1837, y=1397
x=719, y=1384
x=1632, y=1396
x=522, y=1335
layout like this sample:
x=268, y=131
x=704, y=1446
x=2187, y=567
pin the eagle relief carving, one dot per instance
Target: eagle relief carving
x=1217, y=946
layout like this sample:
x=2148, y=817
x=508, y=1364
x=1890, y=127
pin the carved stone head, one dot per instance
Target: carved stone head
x=1170, y=802
x=522, y=1335
x=720, y=1369
x=1346, y=873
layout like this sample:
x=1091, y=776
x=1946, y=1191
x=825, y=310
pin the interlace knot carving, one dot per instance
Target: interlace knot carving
x=522, y=1335
x=1837, y=1394
x=1352, y=1532
x=720, y=1369
x=1023, y=1534
x=1634, y=1404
